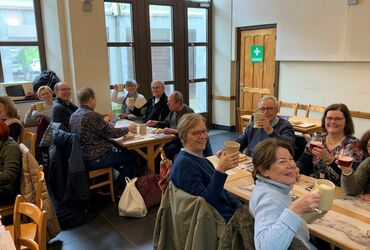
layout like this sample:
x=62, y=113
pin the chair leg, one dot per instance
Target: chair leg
x=111, y=186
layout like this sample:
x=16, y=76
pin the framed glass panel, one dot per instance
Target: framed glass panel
x=118, y=22
x=198, y=96
x=17, y=21
x=197, y=62
x=161, y=29
x=169, y=88
x=197, y=25
x=121, y=64
x=21, y=63
x=162, y=63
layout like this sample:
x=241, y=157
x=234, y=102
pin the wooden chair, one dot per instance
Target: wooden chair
x=32, y=235
x=314, y=108
x=101, y=172
x=243, y=123
x=29, y=139
x=289, y=105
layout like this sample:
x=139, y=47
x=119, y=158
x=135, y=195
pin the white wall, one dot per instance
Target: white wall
x=76, y=46
x=319, y=46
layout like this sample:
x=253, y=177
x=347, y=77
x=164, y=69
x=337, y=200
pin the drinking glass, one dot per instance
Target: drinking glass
x=345, y=158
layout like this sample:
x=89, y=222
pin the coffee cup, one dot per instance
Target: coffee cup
x=257, y=117
x=326, y=190
x=39, y=106
x=130, y=101
x=231, y=147
x=121, y=87
x=142, y=129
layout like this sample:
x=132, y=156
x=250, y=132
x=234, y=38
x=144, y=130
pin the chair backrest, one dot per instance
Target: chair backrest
x=39, y=186
x=243, y=123
x=288, y=105
x=29, y=139
x=314, y=108
x=38, y=217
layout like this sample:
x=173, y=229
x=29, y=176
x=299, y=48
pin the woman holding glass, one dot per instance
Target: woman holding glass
x=277, y=219
x=193, y=173
x=43, y=108
x=359, y=182
x=138, y=100
x=9, y=114
x=318, y=159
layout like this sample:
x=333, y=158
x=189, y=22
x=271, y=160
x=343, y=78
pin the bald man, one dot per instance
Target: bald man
x=62, y=107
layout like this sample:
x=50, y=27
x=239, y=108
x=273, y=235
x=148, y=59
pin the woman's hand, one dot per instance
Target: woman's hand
x=219, y=153
x=33, y=107
x=123, y=116
x=227, y=161
x=305, y=204
x=151, y=123
x=365, y=197
x=321, y=152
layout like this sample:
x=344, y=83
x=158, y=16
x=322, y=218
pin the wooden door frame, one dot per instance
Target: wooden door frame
x=237, y=78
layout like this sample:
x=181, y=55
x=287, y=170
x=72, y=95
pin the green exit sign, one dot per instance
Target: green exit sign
x=257, y=53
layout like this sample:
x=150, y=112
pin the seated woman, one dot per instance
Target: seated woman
x=194, y=174
x=277, y=218
x=9, y=114
x=318, y=159
x=45, y=94
x=139, y=100
x=359, y=182
x=10, y=166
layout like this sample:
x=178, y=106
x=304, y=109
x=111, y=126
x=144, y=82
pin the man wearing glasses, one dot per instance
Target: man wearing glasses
x=270, y=125
x=63, y=107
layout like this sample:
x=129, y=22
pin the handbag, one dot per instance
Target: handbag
x=131, y=204
x=149, y=189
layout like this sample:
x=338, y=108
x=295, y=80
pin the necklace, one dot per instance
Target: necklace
x=335, y=142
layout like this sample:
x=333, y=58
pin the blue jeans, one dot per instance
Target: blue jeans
x=123, y=161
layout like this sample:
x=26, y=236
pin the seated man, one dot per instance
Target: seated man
x=270, y=126
x=95, y=136
x=177, y=110
x=63, y=107
x=138, y=99
x=156, y=108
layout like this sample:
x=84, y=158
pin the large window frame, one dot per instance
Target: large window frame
x=39, y=43
x=142, y=45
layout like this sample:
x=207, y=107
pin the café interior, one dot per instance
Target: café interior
x=223, y=56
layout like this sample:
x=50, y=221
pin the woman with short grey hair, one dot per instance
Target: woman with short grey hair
x=128, y=106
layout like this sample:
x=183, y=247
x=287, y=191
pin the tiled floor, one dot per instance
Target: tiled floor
x=110, y=231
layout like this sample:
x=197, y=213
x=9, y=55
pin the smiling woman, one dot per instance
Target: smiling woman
x=196, y=175
x=337, y=127
x=277, y=218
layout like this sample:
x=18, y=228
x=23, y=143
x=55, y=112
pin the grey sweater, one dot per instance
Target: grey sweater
x=357, y=182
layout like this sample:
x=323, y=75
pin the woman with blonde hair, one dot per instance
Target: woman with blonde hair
x=9, y=114
x=45, y=94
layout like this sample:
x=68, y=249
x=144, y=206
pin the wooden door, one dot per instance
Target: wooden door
x=256, y=78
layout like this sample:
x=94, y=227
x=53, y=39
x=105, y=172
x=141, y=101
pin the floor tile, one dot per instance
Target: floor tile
x=139, y=233
x=112, y=239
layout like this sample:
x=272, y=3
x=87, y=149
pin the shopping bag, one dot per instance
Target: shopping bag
x=131, y=204
x=149, y=189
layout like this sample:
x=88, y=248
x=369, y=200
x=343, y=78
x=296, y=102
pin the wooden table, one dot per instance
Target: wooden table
x=309, y=125
x=346, y=225
x=151, y=142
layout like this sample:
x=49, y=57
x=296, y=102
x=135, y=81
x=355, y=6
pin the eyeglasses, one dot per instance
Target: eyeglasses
x=198, y=133
x=269, y=109
x=336, y=119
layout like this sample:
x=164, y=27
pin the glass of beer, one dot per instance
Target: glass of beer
x=345, y=158
x=314, y=143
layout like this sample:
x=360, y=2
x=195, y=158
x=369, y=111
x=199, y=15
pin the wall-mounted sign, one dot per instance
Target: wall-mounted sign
x=257, y=53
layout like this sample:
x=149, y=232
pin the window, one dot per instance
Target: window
x=22, y=53
x=166, y=40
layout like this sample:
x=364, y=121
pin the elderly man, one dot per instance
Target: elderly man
x=177, y=110
x=95, y=136
x=269, y=126
x=138, y=99
x=156, y=108
x=63, y=107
